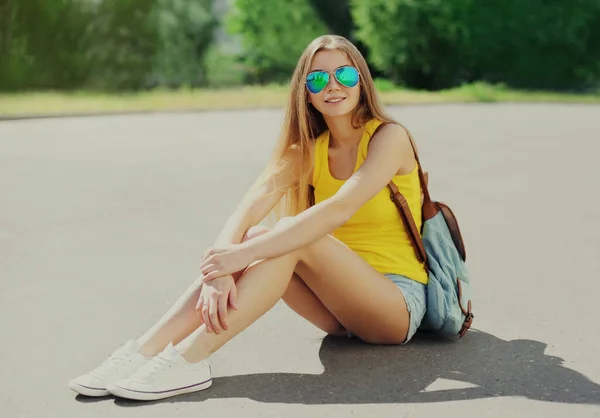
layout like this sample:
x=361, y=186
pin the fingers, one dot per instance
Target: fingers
x=199, y=306
x=207, y=253
x=213, y=304
x=209, y=267
x=233, y=297
x=214, y=315
x=206, y=317
x=209, y=259
x=223, y=311
x=211, y=275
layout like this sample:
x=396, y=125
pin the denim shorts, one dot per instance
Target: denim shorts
x=414, y=296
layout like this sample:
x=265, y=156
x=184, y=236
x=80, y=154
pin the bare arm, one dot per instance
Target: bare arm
x=389, y=152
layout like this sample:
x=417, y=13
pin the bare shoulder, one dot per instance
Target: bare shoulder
x=394, y=138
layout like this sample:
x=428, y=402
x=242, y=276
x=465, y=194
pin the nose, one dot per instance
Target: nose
x=333, y=83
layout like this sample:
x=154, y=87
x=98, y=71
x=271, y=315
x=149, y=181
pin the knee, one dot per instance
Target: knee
x=283, y=221
x=258, y=230
x=254, y=232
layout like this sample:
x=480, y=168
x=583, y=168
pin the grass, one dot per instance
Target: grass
x=252, y=97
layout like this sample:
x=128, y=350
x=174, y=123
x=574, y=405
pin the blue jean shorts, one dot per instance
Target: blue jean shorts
x=414, y=296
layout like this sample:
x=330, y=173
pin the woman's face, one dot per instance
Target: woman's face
x=335, y=99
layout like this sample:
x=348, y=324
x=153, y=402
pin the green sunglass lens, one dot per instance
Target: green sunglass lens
x=348, y=76
x=316, y=81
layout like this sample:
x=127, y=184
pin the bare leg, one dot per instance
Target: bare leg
x=176, y=324
x=259, y=289
x=300, y=298
x=182, y=319
x=361, y=299
x=350, y=293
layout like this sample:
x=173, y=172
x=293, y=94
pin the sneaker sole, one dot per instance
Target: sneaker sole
x=151, y=396
x=87, y=391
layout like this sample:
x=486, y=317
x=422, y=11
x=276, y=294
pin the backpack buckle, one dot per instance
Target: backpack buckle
x=466, y=324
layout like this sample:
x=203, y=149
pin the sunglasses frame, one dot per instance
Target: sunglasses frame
x=334, y=76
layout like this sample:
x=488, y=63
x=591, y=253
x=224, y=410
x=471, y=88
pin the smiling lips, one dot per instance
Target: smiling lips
x=334, y=100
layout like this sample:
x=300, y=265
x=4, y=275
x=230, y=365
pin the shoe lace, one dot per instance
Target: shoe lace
x=151, y=369
x=111, y=364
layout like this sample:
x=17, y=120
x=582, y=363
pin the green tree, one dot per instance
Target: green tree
x=415, y=43
x=549, y=44
x=338, y=19
x=107, y=44
x=6, y=19
x=122, y=44
x=435, y=44
x=336, y=16
x=273, y=35
x=185, y=33
x=41, y=43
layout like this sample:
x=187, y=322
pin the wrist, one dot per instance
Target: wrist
x=249, y=250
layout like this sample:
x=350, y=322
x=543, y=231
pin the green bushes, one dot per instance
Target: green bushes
x=548, y=44
x=433, y=44
x=41, y=44
x=273, y=34
x=122, y=44
x=185, y=35
x=105, y=45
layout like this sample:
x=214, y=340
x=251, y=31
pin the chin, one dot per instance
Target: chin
x=336, y=111
x=333, y=114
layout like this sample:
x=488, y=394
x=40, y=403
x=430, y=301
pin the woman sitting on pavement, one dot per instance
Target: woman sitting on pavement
x=343, y=261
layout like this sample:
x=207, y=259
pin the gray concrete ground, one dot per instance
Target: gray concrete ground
x=103, y=220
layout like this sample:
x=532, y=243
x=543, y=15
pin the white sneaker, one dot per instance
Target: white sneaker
x=121, y=363
x=167, y=374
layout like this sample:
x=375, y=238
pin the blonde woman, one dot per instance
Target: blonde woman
x=340, y=257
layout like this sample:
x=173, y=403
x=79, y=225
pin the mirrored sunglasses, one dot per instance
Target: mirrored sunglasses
x=346, y=75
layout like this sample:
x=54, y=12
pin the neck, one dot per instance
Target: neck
x=342, y=133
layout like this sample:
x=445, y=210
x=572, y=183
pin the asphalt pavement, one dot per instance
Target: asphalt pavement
x=103, y=221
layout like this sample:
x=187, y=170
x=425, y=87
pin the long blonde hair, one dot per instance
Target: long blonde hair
x=303, y=123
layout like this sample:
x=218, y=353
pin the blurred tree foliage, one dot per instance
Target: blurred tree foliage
x=431, y=44
x=122, y=44
x=104, y=44
x=41, y=43
x=336, y=15
x=185, y=34
x=273, y=35
x=548, y=44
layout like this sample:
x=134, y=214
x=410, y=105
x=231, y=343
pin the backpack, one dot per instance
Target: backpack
x=439, y=245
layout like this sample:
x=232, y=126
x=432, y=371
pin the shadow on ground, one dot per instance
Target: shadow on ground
x=359, y=373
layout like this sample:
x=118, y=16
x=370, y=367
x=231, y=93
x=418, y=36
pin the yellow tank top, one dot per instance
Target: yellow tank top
x=375, y=231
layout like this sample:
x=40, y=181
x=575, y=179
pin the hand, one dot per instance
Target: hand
x=217, y=262
x=213, y=300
